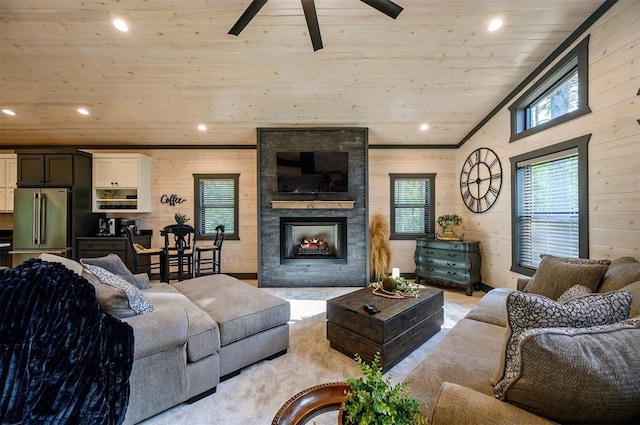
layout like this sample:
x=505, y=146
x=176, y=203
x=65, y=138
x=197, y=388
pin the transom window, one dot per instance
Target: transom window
x=550, y=207
x=559, y=96
x=412, y=205
x=216, y=202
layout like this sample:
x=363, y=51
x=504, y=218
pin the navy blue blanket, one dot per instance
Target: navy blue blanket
x=62, y=361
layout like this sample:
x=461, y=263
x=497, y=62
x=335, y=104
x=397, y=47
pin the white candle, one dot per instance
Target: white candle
x=395, y=272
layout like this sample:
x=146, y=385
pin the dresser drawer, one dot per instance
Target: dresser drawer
x=441, y=255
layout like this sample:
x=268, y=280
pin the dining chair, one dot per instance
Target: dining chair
x=179, y=243
x=147, y=260
x=210, y=264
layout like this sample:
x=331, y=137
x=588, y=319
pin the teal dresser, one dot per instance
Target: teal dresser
x=449, y=263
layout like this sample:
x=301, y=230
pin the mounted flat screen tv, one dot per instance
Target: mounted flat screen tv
x=312, y=172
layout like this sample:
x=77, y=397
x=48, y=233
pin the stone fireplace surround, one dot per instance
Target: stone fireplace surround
x=274, y=207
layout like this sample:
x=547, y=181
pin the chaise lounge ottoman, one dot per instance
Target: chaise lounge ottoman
x=253, y=324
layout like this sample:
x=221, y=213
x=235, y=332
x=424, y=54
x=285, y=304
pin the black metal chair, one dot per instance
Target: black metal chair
x=145, y=260
x=206, y=264
x=179, y=243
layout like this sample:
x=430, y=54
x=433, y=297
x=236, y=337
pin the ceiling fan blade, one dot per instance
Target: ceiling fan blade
x=247, y=16
x=310, y=14
x=387, y=7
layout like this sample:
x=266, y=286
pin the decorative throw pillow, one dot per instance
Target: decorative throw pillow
x=72, y=265
x=557, y=274
x=136, y=300
x=586, y=375
x=622, y=272
x=114, y=264
x=576, y=291
x=530, y=311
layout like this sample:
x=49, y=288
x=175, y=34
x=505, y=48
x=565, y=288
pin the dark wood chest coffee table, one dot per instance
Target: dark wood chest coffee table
x=399, y=328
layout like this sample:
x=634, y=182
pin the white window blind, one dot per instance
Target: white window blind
x=412, y=205
x=217, y=203
x=548, y=207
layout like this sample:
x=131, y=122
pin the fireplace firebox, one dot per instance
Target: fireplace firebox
x=313, y=239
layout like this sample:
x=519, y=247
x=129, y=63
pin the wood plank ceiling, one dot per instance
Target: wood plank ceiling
x=177, y=67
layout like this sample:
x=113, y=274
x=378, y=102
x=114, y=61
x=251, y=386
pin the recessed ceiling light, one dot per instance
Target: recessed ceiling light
x=120, y=25
x=495, y=25
x=202, y=127
x=424, y=127
x=9, y=112
x=83, y=111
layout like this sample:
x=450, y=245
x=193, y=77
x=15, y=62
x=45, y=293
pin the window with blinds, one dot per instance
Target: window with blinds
x=216, y=197
x=412, y=205
x=550, y=206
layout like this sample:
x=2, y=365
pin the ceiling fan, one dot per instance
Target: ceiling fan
x=387, y=7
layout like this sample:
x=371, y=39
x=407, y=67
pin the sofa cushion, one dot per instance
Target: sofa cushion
x=492, y=307
x=586, y=375
x=557, y=274
x=529, y=311
x=114, y=264
x=622, y=272
x=466, y=356
x=136, y=300
x=634, y=290
x=203, y=337
x=240, y=309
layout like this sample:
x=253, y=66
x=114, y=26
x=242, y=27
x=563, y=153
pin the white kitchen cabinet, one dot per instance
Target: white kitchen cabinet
x=121, y=183
x=8, y=180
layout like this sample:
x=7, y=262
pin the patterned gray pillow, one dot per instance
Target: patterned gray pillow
x=579, y=375
x=530, y=311
x=576, y=291
x=115, y=265
x=138, y=303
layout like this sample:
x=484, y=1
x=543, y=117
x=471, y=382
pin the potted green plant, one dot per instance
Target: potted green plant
x=180, y=218
x=373, y=400
x=447, y=223
x=108, y=193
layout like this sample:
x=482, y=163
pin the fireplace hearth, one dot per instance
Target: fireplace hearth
x=313, y=239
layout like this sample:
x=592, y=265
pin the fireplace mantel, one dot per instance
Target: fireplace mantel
x=313, y=205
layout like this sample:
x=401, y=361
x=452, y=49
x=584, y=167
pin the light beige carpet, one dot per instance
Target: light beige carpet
x=253, y=397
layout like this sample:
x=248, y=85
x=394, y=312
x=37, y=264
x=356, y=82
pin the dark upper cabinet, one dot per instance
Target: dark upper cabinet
x=50, y=169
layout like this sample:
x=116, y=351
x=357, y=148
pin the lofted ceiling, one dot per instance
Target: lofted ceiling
x=178, y=67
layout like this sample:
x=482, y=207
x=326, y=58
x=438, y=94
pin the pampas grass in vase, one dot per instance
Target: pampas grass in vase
x=379, y=249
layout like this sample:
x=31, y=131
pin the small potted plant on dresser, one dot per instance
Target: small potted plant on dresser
x=373, y=400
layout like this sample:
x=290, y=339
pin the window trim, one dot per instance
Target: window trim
x=392, y=212
x=197, y=210
x=577, y=57
x=581, y=144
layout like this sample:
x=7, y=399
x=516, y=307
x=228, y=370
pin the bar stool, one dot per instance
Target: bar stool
x=147, y=260
x=206, y=265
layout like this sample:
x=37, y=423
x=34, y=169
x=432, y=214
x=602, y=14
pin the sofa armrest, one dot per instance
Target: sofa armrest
x=456, y=405
x=159, y=330
x=522, y=282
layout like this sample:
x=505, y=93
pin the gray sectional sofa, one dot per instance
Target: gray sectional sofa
x=555, y=381
x=200, y=331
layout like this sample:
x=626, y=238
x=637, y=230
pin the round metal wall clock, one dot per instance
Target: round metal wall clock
x=481, y=180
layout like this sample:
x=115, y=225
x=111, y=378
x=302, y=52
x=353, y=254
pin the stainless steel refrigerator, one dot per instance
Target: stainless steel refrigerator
x=41, y=223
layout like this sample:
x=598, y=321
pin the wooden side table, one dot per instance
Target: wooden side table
x=449, y=263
